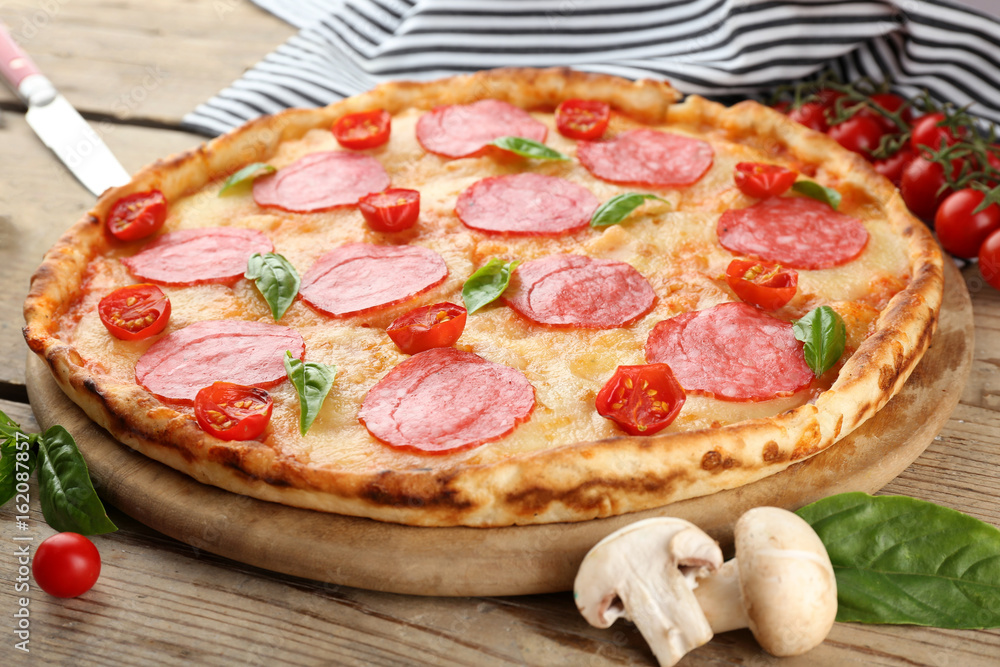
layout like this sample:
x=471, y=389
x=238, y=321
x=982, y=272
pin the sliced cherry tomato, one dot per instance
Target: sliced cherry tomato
x=759, y=179
x=642, y=400
x=921, y=184
x=762, y=284
x=392, y=210
x=893, y=166
x=927, y=133
x=582, y=119
x=425, y=327
x=137, y=215
x=366, y=129
x=960, y=231
x=232, y=411
x=989, y=259
x=812, y=115
x=860, y=134
x=66, y=565
x=135, y=312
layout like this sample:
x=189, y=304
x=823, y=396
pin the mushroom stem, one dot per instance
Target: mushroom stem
x=720, y=598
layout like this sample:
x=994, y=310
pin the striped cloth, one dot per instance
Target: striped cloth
x=717, y=48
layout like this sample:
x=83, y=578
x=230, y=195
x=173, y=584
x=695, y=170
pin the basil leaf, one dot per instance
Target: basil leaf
x=818, y=192
x=824, y=334
x=618, y=208
x=903, y=560
x=487, y=284
x=10, y=436
x=312, y=382
x=276, y=279
x=528, y=148
x=69, y=502
x=245, y=175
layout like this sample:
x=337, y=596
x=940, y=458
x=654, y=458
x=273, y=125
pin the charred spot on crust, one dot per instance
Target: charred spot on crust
x=711, y=460
x=390, y=489
x=772, y=452
x=808, y=444
x=592, y=497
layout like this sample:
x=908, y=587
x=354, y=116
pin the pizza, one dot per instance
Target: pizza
x=618, y=370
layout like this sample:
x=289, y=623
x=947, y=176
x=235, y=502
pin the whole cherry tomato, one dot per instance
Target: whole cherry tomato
x=759, y=179
x=66, y=565
x=366, y=129
x=921, y=187
x=858, y=133
x=926, y=132
x=763, y=284
x=582, y=119
x=137, y=215
x=135, y=312
x=439, y=325
x=392, y=210
x=232, y=411
x=828, y=97
x=812, y=115
x=893, y=166
x=642, y=400
x=989, y=259
x=890, y=102
x=960, y=231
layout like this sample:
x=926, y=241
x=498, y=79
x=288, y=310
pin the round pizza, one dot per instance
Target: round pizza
x=515, y=297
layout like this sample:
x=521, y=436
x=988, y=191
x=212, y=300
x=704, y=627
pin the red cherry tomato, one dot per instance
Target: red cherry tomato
x=860, y=134
x=366, y=129
x=642, y=400
x=812, y=115
x=893, y=166
x=758, y=179
x=135, y=312
x=762, y=284
x=392, y=210
x=890, y=102
x=989, y=259
x=960, y=231
x=926, y=132
x=582, y=119
x=232, y=411
x=66, y=565
x=439, y=325
x=138, y=215
x=921, y=182
x=783, y=106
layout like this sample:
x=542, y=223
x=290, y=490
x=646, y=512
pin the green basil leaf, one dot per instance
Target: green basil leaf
x=618, y=208
x=245, y=175
x=487, y=284
x=276, y=279
x=818, y=192
x=528, y=148
x=10, y=436
x=824, y=334
x=69, y=502
x=903, y=560
x=312, y=382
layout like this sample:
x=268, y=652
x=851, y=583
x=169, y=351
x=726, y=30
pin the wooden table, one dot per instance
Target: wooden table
x=134, y=68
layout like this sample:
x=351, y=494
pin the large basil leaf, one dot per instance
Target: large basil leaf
x=826, y=195
x=245, y=175
x=487, y=283
x=312, y=382
x=69, y=502
x=903, y=560
x=619, y=207
x=825, y=335
x=10, y=435
x=528, y=148
x=277, y=280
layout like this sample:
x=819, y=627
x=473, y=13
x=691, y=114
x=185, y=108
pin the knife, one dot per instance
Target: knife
x=57, y=123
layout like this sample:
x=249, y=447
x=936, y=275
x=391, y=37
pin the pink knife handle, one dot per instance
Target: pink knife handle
x=15, y=65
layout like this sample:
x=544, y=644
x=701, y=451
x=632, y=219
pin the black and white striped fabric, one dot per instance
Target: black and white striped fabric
x=718, y=48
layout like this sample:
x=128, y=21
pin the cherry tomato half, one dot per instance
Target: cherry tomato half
x=758, y=179
x=137, y=215
x=232, y=411
x=392, y=210
x=582, y=119
x=422, y=328
x=366, y=129
x=762, y=284
x=812, y=115
x=926, y=132
x=989, y=259
x=66, y=565
x=642, y=400
x=135, y=312
x=860, y=134
x=960, y=231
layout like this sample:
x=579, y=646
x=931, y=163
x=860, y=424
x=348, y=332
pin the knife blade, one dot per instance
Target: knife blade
x=57, y=123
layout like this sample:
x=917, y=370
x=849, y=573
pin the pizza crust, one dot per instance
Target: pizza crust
x=569, y=483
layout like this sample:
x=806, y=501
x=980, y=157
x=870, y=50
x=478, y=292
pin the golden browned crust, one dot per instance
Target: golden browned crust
x=569, y=483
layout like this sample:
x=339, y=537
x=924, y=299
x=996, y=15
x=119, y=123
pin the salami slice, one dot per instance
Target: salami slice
x=198, y=256
x=463, y=130
x=360, y=276
x=444, y=399
x=580, y=291
x=798, y=232
x=526, y=204
x=647, y=157
x=321, y=181
x=732, y=351
x=250, y=353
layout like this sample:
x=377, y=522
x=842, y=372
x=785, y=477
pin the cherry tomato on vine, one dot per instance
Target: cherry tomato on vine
x=858, y=133
x=828, y=97
x=439, y=325
x=392, y=210
x=582, y=119
x=989, y=259
x=892, y=167
x=926, y=132
x=232, y=411
x=135, y=312
x=812, y=115
x=759, y=179
x=366, y=129
x=763, y=284
x=66, y=565
x=921, y=184
x=892, y=103
x=960, y=231
x=642, y=400
x=137, y=215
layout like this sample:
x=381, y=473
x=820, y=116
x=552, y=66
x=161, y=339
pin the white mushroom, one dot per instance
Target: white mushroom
x=645, y=572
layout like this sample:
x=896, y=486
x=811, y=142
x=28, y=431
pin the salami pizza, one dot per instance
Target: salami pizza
x=640, y=340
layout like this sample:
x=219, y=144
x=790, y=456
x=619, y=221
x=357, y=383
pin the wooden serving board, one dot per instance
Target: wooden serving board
x=517, y=560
